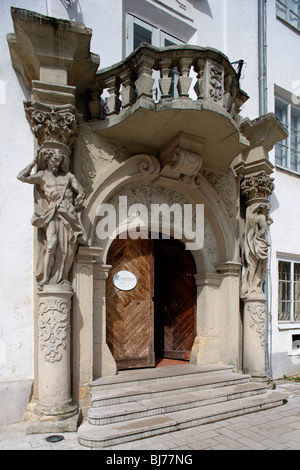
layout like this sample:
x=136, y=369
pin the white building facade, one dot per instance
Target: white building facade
x=261, y=41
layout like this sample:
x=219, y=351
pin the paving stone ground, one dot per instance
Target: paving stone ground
x=273, y=429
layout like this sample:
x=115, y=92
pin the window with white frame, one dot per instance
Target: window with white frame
x=288, y=291
x=289, y=11
x=139, y=31
x=287, y=152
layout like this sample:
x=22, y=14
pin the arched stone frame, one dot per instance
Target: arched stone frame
x=217, y=276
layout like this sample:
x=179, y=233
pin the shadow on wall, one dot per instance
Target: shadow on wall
x=203, y=7
x=74, y=10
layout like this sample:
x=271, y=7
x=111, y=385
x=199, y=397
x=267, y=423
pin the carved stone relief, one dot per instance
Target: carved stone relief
x=224, y=186
x=53, y=327
x=96, y=157
x=257, y=313
x=147, y=195
x=215, y=81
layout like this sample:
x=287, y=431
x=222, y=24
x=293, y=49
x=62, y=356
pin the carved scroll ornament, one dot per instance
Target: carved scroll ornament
x=53, y=327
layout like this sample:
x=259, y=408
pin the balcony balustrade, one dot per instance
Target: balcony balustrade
x=214, y=81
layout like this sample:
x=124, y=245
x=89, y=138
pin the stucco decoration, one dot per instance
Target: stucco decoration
x=58, y=197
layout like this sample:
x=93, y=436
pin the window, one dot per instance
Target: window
x=139, y=31
x=288, y=291
x=287, y=152
x=289, y=11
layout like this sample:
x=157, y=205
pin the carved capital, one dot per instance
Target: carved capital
x=52, y=123
x=258, y=187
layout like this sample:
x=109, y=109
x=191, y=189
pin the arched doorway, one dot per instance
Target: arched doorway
x=157, y=317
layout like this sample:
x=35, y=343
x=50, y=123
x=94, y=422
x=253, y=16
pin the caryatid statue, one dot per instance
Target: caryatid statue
x=255, y=249
x=58, y=201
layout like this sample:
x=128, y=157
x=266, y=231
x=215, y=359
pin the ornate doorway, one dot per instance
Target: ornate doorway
x=157, y=317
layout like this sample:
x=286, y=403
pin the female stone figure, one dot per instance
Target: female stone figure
x=256, y=247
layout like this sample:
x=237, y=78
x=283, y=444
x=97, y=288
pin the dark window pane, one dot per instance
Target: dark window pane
x=169, y=43
x=141, y=35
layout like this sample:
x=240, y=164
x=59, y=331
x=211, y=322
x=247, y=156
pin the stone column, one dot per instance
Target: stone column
x=256, y=189
x=205, y=349
x=83, y=324
x=58, y=200
x=104, y=362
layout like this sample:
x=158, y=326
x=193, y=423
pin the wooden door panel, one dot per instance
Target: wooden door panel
x=175, y=300
x=129, y=314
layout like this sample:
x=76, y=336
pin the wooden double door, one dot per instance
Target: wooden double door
x=157, y=317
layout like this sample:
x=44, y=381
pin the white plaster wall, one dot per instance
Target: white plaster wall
x=283, y=70
x=16, y=235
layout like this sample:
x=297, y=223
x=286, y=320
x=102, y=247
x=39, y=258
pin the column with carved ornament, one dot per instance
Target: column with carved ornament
x=256, y=189
x=58, y=200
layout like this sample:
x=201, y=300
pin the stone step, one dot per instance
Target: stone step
x=167, y=404
x=144, y=390
x=158, y=374
x=126, y=431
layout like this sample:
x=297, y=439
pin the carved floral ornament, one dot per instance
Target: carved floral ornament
x=52, y=123
x=53, y=327
x=258, y=186
x=258, y=314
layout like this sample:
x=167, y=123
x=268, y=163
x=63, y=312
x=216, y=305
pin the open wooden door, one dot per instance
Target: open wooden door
x=129, y=313
x=175, y=300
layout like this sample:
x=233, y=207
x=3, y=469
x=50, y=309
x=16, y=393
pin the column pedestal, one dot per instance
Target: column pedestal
x=54, y=410
x=254, y=361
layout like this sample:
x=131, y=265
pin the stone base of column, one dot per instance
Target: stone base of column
x=54, y=410
x=254, y=362
x=40, y=420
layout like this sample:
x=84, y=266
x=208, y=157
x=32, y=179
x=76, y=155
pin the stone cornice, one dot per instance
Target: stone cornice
x=35, y=55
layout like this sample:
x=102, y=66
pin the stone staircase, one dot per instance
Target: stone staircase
x=138, y=404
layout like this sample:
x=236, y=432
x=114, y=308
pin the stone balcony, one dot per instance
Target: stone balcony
x=199, y=112
x=206, y=107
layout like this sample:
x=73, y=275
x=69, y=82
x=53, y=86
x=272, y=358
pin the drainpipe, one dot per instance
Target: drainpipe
x=262, y=80
x=262, y=56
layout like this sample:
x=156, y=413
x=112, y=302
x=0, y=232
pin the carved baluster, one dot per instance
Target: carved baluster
x=144, y=83
x=113, y=101
x=128, y=93
x=200, y=83
x=95, y=105
x=165, y=82
x=184, y=81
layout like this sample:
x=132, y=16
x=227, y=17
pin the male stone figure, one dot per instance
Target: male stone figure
x=58, y=200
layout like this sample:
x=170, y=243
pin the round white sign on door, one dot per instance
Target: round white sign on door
x=125, y=280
